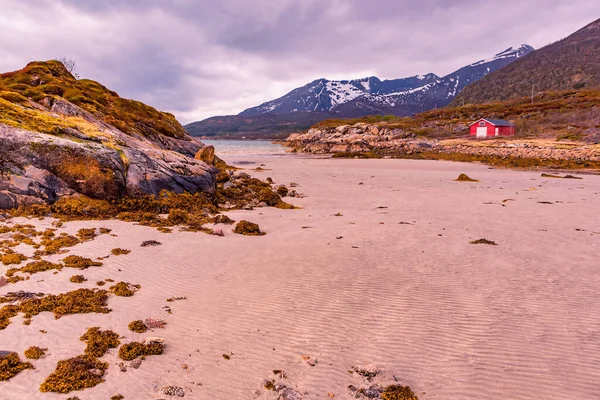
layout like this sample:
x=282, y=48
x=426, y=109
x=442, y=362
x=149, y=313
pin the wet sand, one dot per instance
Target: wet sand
x=393, y=281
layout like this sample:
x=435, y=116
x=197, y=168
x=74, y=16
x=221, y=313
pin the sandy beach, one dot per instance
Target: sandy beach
x=376, y=267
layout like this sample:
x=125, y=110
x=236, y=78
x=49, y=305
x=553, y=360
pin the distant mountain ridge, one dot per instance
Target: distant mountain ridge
x=322, y=98
x=373, y=96
x=571, y=63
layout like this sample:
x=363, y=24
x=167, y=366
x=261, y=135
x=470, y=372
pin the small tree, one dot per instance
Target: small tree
x=69, y=65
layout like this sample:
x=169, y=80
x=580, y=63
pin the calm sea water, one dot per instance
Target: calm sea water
x=245, y=147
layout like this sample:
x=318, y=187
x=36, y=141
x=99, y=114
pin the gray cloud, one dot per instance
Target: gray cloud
x=198, y=58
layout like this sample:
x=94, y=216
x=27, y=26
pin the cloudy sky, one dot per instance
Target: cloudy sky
x=200, y=58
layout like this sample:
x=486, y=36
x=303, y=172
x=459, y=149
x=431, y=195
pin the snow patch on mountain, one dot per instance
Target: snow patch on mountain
x=511, y=52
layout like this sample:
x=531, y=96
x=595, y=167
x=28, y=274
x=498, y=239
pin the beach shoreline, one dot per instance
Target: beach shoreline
x=375, y=267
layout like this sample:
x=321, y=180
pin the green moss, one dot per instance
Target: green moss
x=137, y=326
x=76, y=373
x=35, y=352
x=80, y=262
x=98, y=341
x=119, y=251
x=124, y=289
x=248, y=228
x=133, y=350
x=398, y=392
x=11, y=365
x=78, y=279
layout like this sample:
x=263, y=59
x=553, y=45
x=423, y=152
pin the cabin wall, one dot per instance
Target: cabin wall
x=491, y=130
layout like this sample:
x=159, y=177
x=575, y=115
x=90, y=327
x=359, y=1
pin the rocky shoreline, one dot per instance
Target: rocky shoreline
x=375, y=141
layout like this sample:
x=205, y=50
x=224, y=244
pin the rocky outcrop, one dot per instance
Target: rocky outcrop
x=103, y=163
x=63, y=136
x=361, y=137
x=206, y=154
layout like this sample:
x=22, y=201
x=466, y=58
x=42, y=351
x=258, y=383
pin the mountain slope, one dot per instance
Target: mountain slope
x=398, y=97
x=572, y=63
x=323, y=99
x=61, y=136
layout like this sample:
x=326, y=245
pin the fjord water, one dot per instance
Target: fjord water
x=245, y=147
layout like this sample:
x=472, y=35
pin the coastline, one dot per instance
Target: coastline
x=391, y=281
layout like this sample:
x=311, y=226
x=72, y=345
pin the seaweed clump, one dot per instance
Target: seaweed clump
x=222, y=219
x=133, y=350
x=78, y=279
x=11, y=365
x=137, y=326
x=398, y=392
x=124, y=289
x=40, y=266
x=79, y=301
x=248, y=228
x=35, y=352
x=80, y=262
x=465, y=178
x=86, y=234
x=118, y=251
x=76, y=373
x=13, y=258
x=484, y=241
x=98, y=342
x=56, y=245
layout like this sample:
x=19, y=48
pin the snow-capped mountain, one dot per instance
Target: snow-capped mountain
x=373, y=96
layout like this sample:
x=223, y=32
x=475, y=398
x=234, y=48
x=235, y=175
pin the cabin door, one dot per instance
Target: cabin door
x=482, y=131
x=497, y=131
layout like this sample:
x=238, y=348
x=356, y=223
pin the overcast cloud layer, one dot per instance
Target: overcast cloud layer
x=200, y=58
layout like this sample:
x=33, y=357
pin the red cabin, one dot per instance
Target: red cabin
x=485, y=128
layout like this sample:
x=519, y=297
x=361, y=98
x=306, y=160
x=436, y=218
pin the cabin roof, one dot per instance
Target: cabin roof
x=495, y=122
